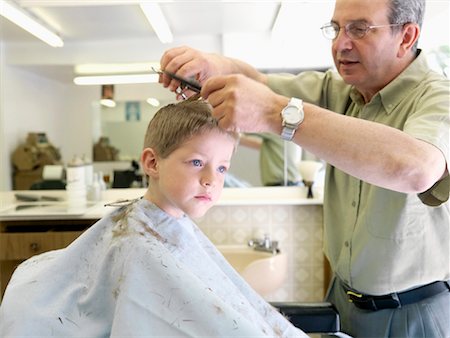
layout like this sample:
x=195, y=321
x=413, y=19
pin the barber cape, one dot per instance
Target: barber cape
x=136, y=272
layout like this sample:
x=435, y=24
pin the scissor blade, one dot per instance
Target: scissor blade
x=189, y=84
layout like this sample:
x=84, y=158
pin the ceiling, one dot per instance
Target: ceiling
x=83, y=20
x=114, y=31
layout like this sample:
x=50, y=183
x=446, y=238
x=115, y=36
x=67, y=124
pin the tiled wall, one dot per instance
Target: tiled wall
x=298, y=228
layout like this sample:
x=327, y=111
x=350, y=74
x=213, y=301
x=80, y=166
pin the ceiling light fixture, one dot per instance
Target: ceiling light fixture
x=23, y=19
x=115, y=68
x=116, y=79
x=157, y=20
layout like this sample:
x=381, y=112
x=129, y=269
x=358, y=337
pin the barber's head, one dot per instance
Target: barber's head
x=374, y=40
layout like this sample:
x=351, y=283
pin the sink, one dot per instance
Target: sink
x=264, y=271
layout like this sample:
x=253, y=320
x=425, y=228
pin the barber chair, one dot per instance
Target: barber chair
x=48, y=185
x=317, y=318
x=126, y=178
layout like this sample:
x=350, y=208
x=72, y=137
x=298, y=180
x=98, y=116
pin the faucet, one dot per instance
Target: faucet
x=265, y=244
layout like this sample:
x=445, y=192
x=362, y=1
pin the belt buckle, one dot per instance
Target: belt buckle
x=353, y=296
x=361, y=301
x=374, y=303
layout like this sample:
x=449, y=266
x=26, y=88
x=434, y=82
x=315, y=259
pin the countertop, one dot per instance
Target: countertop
x=12, y=209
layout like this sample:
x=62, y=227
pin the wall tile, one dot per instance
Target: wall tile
x=298, y=230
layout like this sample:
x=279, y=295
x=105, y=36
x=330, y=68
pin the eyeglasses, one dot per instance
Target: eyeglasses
x=354, y=30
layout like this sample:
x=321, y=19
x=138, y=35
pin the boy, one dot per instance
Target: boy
x=146, y=269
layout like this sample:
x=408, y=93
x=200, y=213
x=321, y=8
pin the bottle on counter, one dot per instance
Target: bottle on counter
x=95, y=191
x=88, y=170
x=101, y=181
x=76, y=182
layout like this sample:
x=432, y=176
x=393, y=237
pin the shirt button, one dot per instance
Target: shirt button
x=346, y=244
x=353, y=204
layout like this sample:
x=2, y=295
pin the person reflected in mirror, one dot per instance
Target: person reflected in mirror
x=381, y=122
x=278, y=159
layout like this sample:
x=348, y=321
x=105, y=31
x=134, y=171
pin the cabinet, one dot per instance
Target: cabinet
x=19, y=240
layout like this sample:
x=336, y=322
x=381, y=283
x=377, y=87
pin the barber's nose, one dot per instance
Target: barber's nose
x=342, y=41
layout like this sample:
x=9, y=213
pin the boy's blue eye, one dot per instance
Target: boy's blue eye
x=197, y=163
x=222, y=169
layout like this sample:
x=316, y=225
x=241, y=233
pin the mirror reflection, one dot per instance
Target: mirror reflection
x=260, y=159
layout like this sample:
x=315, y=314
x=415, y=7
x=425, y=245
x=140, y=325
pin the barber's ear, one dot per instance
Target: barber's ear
x=410, y=34
x=149, y=162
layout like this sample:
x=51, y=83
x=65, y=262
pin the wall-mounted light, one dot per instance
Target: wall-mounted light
x=107, y=99
x=153, y=102
x=26, y=21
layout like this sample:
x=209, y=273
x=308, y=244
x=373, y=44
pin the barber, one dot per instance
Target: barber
x=382, y=125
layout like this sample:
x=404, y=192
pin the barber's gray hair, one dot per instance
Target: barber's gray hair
x=404, y=11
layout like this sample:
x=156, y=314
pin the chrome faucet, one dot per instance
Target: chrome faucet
x=265, y=244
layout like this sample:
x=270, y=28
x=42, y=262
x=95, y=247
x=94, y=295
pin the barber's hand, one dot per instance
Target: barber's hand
x=244, y=105
x=188, y=63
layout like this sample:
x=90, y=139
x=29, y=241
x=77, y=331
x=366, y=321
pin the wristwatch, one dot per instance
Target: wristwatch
x=292, y=116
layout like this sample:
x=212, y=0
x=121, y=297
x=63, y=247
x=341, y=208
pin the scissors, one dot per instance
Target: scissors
x=184, y=83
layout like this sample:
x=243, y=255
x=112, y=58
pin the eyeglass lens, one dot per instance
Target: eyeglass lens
x=354, y=30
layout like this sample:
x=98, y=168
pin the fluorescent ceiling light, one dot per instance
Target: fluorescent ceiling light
x=115, y=68
x=279, y=26
x=157, y=20
x=116, y=79
x=23, y=19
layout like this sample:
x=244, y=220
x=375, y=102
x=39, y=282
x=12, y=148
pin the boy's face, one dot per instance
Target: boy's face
x=190, y=180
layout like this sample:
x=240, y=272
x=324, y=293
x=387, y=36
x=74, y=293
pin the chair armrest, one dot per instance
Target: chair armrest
x=311, y=317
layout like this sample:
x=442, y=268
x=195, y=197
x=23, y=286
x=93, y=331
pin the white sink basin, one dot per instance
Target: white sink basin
x=264, y=271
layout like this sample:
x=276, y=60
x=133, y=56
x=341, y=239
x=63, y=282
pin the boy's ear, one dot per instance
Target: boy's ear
x=149, y=161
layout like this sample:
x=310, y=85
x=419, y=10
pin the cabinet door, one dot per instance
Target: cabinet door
x=20, y=246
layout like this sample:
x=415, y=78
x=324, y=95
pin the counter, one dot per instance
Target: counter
x=12, y=209
x=30, y=228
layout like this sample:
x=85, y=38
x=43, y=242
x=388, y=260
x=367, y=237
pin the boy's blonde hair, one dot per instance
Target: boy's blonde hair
x=175, y=123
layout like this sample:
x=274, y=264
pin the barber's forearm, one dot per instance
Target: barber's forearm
x=375, y=153
x=238, y=66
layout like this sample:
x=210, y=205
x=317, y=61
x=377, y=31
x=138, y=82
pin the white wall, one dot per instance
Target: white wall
x=29, y=104
x=32, y=103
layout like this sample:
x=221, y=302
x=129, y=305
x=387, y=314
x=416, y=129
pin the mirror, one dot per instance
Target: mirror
x=125, y=125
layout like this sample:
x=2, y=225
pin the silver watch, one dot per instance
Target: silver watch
x=292, y=116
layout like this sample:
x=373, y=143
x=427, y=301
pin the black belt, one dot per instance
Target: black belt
x=396, y=299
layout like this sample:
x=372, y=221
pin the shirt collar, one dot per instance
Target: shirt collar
x=392, y=94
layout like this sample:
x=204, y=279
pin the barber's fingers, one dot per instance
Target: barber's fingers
x=240, y=103
x=182, y=61
x=222, y=93
x=213, y=85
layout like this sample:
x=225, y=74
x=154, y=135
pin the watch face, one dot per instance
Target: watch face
x=291, y=115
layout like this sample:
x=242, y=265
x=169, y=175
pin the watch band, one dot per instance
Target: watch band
x=288, y=133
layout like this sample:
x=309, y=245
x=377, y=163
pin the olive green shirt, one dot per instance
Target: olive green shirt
x=272, y=159
x=377, y=240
